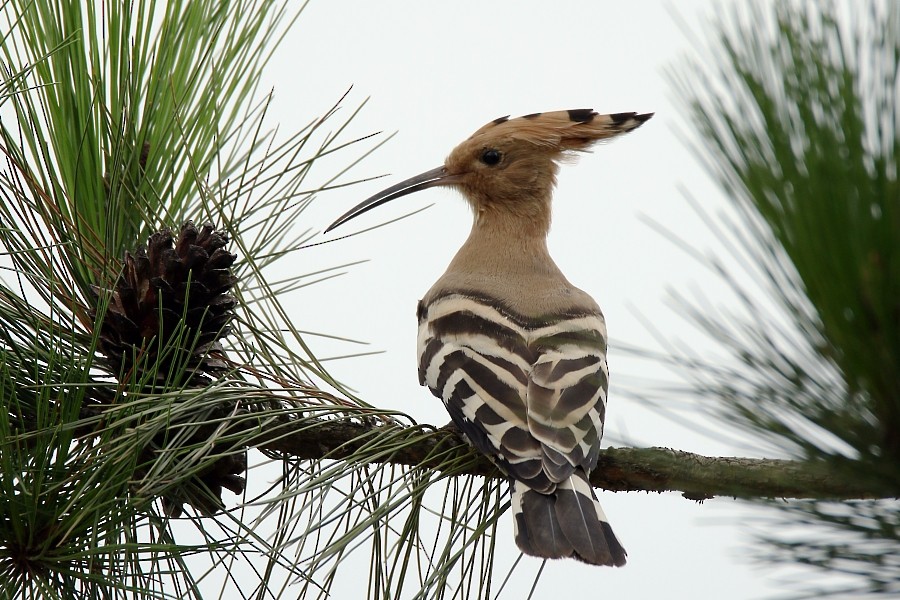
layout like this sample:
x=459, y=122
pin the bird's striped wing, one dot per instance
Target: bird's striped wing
x=566, y=403
x=531, y=398
x=476, y=359
x=566, y=393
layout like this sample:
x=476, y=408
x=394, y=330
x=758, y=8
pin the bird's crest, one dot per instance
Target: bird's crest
x=561, y=130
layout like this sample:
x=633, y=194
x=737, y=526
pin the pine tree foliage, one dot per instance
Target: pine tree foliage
x=142, y=352
x=798, y=122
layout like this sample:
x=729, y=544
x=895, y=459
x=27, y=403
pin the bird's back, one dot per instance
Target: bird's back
x=518, y=356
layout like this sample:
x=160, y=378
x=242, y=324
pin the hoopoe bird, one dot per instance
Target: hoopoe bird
x=515, y=351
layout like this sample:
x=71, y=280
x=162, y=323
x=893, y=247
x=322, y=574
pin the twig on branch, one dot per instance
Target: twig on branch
x=620, y=469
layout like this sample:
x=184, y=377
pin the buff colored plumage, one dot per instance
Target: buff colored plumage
x=513, y=349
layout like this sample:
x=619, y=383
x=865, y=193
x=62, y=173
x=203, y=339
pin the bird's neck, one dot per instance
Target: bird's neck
x=505, y=245
x=508, y=260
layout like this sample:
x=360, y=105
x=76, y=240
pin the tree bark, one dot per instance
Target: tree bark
x=697, y=477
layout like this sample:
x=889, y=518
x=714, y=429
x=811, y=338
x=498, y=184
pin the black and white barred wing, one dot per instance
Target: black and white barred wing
x=566, y=403
x=533, y=398
x=566, y=395
x=476, y=359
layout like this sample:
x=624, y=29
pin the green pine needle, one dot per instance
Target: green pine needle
x=798, y=123
x=119, y=119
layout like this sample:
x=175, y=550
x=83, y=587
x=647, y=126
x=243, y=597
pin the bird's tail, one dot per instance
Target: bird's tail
x=566, y=522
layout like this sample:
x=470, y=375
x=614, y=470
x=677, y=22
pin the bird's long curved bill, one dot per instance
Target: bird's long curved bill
x=438, y=176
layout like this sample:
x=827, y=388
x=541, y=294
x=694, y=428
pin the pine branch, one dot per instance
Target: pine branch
x=620, y=469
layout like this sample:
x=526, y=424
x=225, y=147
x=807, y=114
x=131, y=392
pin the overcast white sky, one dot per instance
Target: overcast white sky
x=435, y=72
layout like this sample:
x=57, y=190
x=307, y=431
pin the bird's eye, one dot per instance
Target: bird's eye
x=491, y=157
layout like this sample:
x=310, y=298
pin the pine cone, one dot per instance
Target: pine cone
x=174, y=295
x=169, y=309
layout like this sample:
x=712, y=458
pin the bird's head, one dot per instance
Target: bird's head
x=507, y=169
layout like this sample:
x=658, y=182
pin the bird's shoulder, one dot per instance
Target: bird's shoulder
x=528, y=305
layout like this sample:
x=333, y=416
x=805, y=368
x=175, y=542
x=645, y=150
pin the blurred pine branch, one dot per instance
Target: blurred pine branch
x=798, y=124
x=620, y=469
